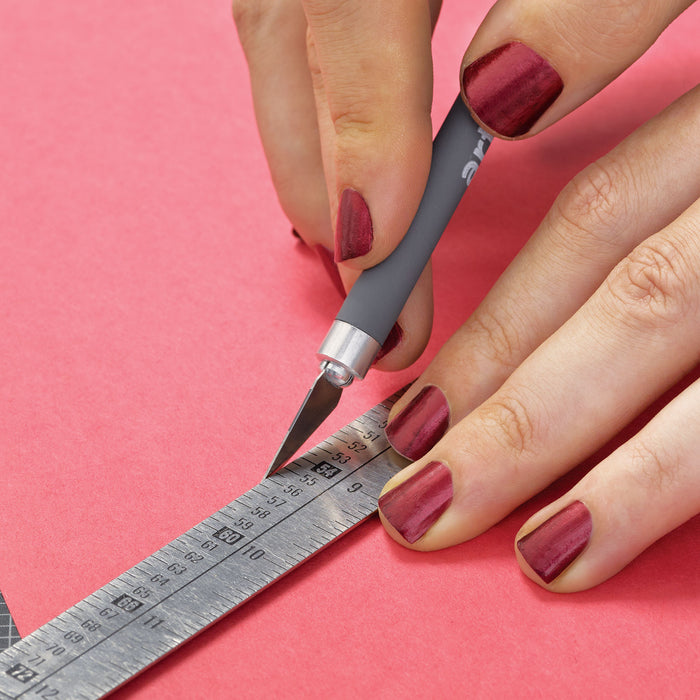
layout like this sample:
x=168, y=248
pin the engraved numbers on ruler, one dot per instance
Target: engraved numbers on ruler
x=149, y=610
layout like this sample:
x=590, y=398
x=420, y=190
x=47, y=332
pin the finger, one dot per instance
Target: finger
x=372, y=73
x=608, y=209
x=645, y=489
x=273, y=37
x=533, y=61
x=635, y=337
x=411, y=332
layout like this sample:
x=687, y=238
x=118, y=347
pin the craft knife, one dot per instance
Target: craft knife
x=378, y=296
x=157, y=605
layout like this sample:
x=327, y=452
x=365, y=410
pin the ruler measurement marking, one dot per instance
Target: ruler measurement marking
x=129, y=621
x=51, y=623
x=197, y=586
x=323, y=529
x=302, y=549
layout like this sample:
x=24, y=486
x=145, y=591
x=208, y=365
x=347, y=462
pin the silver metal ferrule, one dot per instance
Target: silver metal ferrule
x=347, y=353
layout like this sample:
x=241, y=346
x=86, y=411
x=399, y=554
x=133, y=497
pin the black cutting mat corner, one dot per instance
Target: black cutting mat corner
x=8, y=631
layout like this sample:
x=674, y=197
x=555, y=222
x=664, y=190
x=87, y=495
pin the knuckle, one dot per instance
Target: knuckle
x=507, y=419
x=594, y=205
x=653, y=284
x=358, y=132
x=351, y=110
x=352, y=120
x=500, y=342
x=654, y=468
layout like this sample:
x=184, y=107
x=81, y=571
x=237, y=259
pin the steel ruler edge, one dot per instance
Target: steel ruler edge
x=150, y=610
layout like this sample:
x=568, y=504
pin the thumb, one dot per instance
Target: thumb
x=534, y=61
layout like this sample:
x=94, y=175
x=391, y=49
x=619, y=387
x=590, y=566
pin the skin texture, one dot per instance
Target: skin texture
x=534, y=380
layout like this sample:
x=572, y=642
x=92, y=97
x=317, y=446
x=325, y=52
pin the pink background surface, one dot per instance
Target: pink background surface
x=158, y=326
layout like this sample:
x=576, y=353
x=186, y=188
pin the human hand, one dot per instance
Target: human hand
x=595, y=319
x=342, y=94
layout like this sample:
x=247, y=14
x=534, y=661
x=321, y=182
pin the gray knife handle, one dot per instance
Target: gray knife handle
x=378, y=296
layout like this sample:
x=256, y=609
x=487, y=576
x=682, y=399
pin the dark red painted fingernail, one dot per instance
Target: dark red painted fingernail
x=415, y=504
x=552, y=546
x=421, y=424
x=392, y=340
x=354, y=233
x=330, y=267
x=510, y=88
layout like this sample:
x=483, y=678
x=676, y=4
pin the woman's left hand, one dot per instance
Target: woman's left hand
x=596, y=317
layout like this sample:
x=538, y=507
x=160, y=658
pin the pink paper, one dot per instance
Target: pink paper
x=158, y=325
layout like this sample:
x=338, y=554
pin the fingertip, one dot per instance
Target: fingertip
x=529, y=65
x=510, y=88
x=402, y=347
x=393, y=340
x=546, y=551
x=329, y=265
x=411, y=507
x=415, y=324
x=354, y=231
x=421, y=424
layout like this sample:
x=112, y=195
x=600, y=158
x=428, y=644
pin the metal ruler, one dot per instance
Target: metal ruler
x=172, y=595
x=8, y=631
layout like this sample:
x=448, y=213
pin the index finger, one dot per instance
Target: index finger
x=372, y=72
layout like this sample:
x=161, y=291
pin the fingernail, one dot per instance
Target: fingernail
x=354, y=233
x=421, y=424
x=552, y=546
x=510, y=88
x=330, y=267
x=392, y=340
x=415, y=504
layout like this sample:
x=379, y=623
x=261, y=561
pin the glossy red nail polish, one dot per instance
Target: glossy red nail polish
x=552, y=546
x=330, y=267
x=510, y=88
x=414, y=505
x=354, y=232
x=392, y=340
x=421, y=424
